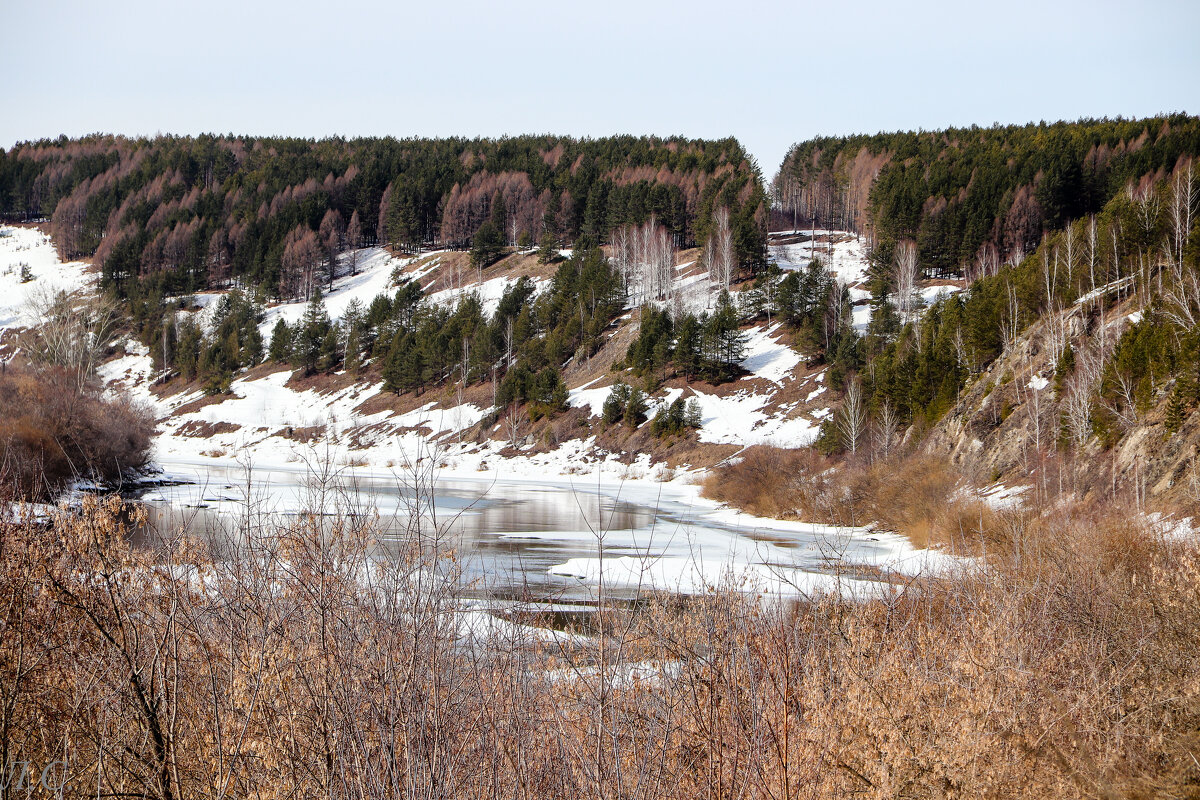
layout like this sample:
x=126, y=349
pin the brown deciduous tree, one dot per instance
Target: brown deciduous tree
x=300, y=263
x=354, y=241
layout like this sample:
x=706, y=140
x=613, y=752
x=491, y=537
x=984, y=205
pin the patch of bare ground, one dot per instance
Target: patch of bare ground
x=305, y=435
x=360, y=437
x=324, y=382
x=395, y=403
x=958, y=283
x=200, y=429
x=446, y=397
x=620, y=334
x=201, y=402
x=519, y=265
x=687, y=263
x=452, y=269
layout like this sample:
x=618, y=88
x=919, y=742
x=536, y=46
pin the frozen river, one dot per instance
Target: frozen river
x=554, y=539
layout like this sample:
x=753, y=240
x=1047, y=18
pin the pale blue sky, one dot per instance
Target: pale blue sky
x=769, y=73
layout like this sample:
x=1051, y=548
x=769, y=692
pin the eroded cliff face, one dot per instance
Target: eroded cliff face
x=1026, y=420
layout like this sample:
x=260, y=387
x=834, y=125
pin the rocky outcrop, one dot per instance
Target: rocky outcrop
x=1013, y=422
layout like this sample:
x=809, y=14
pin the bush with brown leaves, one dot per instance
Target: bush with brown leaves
x=52, y=431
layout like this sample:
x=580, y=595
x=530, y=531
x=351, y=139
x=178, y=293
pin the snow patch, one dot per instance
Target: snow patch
x=22, y=248
x=740, y=419
x=767, y=357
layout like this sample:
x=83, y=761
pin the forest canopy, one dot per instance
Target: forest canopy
x=172, y=214
x=960, y=190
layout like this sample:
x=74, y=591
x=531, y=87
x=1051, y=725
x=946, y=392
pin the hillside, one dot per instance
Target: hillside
x=173, y=215
x=637, y=351
x=1063, y=354
x=964, y=193
x=276, y=414
x=1026, y=420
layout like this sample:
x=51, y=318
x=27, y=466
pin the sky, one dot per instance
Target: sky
x=770, y=74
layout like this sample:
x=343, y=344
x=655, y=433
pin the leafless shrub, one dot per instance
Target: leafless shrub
x=313, y=656
x=52, y=430
x=73, y=331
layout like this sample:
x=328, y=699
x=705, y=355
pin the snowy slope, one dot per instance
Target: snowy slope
x=843, y=253
x=27, y=246
x=489, y=292
x=200, y=437
x=374, y=278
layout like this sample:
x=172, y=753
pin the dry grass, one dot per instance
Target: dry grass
x=54, y=429
x=1065, y=666
x=769, y=481
x=202, y=429
x=919, y=496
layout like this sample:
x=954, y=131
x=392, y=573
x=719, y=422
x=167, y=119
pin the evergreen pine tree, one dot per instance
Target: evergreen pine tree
x=499, y=215
x=1177, y=406
x=329, y=359
x=488, y=245
x=728, y=341
x=280, y=349
x=252, y=347
x=547, y=248
x=614, y=405
x=688, y=346
x=635, y=408
x=313, y=328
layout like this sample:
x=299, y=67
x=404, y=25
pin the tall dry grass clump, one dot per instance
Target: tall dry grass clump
x=918, y=496
x=770, y=481
x=54, y=430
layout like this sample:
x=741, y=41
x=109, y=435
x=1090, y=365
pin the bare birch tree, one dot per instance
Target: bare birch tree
x=1182, y=289
x=986, y=264
x=1093, y=245
x=887, y=424
x=906, y=277
x=73, y=331
x=719, y=256
x=852, y=416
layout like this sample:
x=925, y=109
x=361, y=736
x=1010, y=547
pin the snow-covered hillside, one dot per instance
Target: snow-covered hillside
x=30, y=267
x=845, y=255
x=261, y=416
x=284, y=426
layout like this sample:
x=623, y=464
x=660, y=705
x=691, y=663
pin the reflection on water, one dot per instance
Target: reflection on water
x=506, y=535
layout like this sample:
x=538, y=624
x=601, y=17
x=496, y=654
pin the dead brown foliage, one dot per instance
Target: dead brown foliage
x=53, y=430
x=299, y=665
x=920, y=496
x=770, y=481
